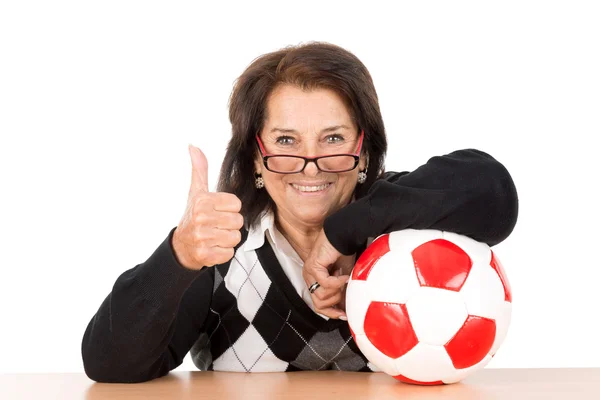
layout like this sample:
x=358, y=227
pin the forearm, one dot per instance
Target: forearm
x=466, y=192
x=127, y=340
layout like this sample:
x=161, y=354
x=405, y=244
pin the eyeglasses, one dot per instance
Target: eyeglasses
x=288, y=164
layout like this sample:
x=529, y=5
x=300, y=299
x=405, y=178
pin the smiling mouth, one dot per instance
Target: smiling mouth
x=309, y=189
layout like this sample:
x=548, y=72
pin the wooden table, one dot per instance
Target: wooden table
x=513, y=384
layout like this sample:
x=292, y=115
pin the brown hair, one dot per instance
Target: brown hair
x=315, y=65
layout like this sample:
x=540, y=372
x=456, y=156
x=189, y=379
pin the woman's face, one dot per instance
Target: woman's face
x=309, y=124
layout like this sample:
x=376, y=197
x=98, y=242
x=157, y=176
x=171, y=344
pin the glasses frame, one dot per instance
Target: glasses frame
x=266, y=156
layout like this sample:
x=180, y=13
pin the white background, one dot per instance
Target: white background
x=99, y=100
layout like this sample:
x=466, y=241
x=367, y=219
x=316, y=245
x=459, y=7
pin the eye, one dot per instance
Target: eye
x=335, y=138
x=284, y=140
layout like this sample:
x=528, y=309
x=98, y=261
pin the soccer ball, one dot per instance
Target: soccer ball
x=428, y=307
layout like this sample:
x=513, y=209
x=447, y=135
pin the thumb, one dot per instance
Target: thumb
x=345, y=264
x=199, y=170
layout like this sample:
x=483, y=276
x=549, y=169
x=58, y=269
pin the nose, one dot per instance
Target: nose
x=311, y=149
x=311, y=169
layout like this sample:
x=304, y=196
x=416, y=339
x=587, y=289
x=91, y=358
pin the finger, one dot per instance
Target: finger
x=199, y=170
x=328, y=284
x=324, y=294
x=327, y=281
x=214, y=237
x=322, y=308
x=229, y=220
x=333, y=312
x=322, y=259
x=321, y=293
x=227, y=238
x=226, y=202
x=327, y=303
x=219, y=255
x=220, y=220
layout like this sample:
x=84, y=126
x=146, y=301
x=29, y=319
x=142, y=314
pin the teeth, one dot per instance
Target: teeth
x=311, y=188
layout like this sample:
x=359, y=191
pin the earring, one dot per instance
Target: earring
x=362, y=176
x=259, y=181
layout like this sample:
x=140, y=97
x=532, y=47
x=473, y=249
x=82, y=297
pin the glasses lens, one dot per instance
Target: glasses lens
x=336, y=163
x=285, y=164
x=295, y=164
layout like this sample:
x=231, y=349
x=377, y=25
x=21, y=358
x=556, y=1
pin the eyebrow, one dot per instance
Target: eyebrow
x=328, y=129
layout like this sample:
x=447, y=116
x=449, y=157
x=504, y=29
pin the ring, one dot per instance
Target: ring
x=313, y=287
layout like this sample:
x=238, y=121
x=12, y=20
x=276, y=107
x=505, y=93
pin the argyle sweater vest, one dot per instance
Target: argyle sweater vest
x=258, y=323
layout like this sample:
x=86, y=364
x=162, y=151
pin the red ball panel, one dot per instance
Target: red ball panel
x=497, y=265
x=472, y=342
x=441, y=264
x=388, y=327
x=370, y=256
x=404, y=379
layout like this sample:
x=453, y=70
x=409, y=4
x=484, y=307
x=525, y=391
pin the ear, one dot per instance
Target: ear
x=258, y=164
x=363, y=162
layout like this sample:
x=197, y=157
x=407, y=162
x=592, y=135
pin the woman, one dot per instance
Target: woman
x=252, y=278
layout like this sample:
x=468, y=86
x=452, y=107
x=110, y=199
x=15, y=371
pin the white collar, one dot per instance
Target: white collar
x=256, y=233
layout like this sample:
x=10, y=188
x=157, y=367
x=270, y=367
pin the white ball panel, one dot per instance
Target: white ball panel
x=479, y=252
x=373, y=367
x=407, y=240
x=393, y=278
x=425, y=363
x=483, y=292
x=357, y=303
x=459, y=374
x=377, y=358
x=502, y=323
x=436, y=314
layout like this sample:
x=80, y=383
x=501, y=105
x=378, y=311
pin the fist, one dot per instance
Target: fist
x=210, y=227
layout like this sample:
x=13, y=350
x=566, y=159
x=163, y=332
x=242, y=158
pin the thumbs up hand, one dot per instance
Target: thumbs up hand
x=210, y=227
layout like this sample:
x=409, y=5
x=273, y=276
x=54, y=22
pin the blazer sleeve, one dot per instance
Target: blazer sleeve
x=467, y=192
x=149, y=321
